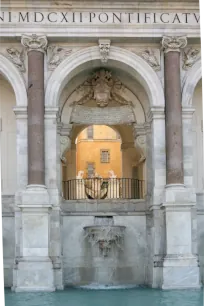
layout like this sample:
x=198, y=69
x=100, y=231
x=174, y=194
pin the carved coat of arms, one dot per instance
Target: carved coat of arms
x=102, y=88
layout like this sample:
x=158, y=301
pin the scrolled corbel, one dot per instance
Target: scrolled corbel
x=65, y=144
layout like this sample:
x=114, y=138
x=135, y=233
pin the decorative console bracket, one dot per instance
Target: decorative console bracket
x=139, y=134
x=65, y=139
x=104, y=48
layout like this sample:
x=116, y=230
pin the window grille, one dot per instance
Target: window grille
x=105, y=156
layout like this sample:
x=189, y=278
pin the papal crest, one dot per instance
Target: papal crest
x=102, y=88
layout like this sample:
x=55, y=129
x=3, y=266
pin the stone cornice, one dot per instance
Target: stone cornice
x=34, y=42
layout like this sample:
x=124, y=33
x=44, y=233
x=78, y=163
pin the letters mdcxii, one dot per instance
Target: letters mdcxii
x=99, y=17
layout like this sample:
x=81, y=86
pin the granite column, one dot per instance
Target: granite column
x=33, y=270
x=180, y=266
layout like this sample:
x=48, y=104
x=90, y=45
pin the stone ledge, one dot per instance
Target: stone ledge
x=103, y=206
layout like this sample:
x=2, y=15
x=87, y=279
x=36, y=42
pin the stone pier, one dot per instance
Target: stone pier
x=33, y=270
x=180, y=265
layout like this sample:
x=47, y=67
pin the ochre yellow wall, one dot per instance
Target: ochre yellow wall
x=88, y=150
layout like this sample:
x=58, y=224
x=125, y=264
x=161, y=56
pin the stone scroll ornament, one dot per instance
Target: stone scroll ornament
x=34, y=42
x=65, y=144
x=174, y=44
x=102, y=88
x=140, y=142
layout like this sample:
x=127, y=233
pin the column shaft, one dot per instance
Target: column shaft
x=173, y=111
x=36, y=164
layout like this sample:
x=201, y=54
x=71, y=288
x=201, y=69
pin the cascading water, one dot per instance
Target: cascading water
x=106, y=241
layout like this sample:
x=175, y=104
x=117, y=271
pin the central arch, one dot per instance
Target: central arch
x=78, y=62
x=131, y=62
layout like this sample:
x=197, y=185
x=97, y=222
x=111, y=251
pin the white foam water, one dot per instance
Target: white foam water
x=95, y=286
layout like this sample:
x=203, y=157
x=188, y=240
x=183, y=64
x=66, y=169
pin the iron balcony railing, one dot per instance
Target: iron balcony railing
x=103, y=188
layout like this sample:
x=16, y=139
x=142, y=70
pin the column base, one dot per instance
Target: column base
x=32, y=275
x=35, y=195
x=181, y=272
x=180, y=266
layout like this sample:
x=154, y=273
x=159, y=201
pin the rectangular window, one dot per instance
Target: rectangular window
x=90, y=169
x=90, y=132
x=105, y=156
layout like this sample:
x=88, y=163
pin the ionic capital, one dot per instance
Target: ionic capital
x=34, y=42
x=173, y=43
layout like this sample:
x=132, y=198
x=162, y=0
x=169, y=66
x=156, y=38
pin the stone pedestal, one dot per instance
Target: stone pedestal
x=33, y=268
x=180, y=266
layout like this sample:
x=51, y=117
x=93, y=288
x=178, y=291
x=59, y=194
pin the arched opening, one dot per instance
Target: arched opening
x=99, y=156
x=98, y=151
x=142, y=86
x=8, y=138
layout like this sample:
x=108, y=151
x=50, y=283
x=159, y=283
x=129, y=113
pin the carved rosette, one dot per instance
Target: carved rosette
x=104, y=48
x=174, y=44
x=34, y=42
x=65, y=144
